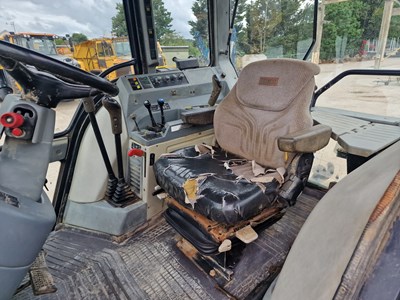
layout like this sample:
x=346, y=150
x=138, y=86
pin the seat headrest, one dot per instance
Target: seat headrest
x=274, y=83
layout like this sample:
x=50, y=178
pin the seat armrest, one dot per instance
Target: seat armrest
x=306, y=141
x=199, y=116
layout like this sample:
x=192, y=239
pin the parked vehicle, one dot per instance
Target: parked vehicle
x=41, y=42
x=97, y=55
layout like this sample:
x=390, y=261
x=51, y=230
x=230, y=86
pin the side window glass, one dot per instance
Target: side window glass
x=108, y=49
x=100, y=50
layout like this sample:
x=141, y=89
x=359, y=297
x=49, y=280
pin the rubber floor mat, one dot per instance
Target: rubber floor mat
x=149, y=265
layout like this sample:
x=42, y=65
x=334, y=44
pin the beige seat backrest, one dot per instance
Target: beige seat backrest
x=270, y=99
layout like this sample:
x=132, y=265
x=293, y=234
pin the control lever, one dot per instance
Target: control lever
x=147, y=104
x=217, y=87
x=161, y=105
x=123, y=192
x=133, y=117
x=88, y=105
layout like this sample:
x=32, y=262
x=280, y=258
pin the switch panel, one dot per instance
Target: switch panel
x=159, y=80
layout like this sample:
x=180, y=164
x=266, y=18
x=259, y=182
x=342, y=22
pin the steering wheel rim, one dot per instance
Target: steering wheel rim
x=56, y=67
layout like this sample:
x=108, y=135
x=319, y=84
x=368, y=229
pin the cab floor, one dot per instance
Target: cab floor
x=149, y=265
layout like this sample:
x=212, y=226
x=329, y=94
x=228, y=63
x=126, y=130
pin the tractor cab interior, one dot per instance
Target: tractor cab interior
x=191, y=181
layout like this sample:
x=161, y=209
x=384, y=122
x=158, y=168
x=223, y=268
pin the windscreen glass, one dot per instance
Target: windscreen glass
x=182, y=30
x=270, y=29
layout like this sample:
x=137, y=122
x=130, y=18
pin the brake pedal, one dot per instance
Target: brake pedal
x=41, y=279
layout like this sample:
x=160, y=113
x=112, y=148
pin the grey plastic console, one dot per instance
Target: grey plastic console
x=25, y=225
x=182, y=91
x=26, y=214
x=106, y=219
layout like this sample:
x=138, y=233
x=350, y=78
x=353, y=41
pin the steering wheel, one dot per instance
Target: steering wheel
x=64, y=82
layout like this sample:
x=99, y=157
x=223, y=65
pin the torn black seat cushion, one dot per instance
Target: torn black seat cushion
x=220, y=195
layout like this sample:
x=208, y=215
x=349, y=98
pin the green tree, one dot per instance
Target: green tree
x=370, y=18
x=174, y=39
x=371, y=21
x=287, y=17
x=162, y=20
x=242, y=46
x=60, y=41
x=394, y=31
x=259, y=25
x=118, y=22
x=200, y=25
x=275, y=27
x=77, y=38
x=342, y=22
x=199, y=30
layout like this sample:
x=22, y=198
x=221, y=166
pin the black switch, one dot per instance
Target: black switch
x=152, y=159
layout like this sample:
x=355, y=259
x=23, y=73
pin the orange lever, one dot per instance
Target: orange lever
x=135, y=152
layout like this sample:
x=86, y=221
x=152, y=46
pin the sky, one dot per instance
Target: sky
x=181, y=15
x=91, y=17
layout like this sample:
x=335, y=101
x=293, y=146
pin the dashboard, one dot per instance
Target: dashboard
x=157, y=81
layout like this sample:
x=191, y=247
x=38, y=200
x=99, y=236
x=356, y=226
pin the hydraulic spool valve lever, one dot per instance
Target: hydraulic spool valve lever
x=147, y=104
x=161, y=105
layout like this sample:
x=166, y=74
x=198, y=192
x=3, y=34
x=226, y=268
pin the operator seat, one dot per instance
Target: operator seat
x=265, y=140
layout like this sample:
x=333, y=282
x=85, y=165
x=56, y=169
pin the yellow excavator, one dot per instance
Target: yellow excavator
x=43, y=43
x=97, y=55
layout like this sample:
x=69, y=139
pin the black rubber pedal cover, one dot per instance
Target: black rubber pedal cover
x=41, y=279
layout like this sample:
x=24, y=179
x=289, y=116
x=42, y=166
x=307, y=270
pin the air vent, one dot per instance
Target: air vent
x=136, y=174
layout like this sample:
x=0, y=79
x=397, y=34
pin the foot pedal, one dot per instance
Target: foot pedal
x=41, y=279
x=247, y=234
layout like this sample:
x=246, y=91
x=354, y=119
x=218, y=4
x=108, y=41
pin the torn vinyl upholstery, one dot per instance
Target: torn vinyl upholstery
x=217, y=184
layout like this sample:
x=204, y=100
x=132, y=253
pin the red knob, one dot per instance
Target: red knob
x=135, y=152
x=11, y=120
x=17, y=132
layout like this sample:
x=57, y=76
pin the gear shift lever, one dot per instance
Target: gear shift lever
x=147, y=104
